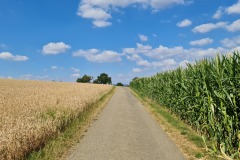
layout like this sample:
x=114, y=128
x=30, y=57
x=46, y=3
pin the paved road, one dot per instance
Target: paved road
x=125, y=131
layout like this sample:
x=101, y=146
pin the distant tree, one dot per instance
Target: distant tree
x=103, y=79
x=96, y=81
x=85, y=79
x=119, y=84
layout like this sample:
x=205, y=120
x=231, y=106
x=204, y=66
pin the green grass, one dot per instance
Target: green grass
x=179, y=125
x=174, y=122
x=60, y=145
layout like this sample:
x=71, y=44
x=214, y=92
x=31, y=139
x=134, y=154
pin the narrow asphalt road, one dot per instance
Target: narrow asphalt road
x=125, y=131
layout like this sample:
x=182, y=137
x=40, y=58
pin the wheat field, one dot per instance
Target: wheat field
x=32, y=112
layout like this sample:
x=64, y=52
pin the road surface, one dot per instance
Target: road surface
x=124, y=130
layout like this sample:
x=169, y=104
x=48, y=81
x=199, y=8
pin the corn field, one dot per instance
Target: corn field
x=205, y=95
x=33, y=112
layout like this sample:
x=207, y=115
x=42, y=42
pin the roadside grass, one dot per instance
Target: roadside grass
x=61, y=145
x=190, y=143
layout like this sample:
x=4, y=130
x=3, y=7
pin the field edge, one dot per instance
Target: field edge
x=189, y=142
x=61, y=145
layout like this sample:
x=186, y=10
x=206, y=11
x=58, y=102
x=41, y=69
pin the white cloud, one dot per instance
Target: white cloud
x=162, y=55
x=144, y=63
x=140, y=49
x=101, y=23
x=134, y=57
x=201, y=42
x=184, y=23
x=143, y=38
x=137, y=70
x=99, y=11
x=204, y=28
x=76, y=75
x=231, y=42
x=210, y=52
x=160, y=52
x=55, y=48
x=89, y=11
x=218, y=14
x=160, y=4
x=75, y=69
x=184, y=63
x=234, y=27
x=94, y=55
x=54, y=67
x=9, y=56
x=234, y=9
x=164, y=64
x=129, y=50
x=167, y=58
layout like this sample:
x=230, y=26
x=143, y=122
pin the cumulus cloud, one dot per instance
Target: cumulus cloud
x=144, y=63
x=210, y=52
x=160, y=4
x=55, y=48
x=101, y=23
x=201, y=42
x=170, y=57
x=231, y=42
x=218, y=14
x=234, y=27
x=162, y=52
x=99, y=11
x=134, y=57
x=164, y=64
x=204, y=28
x=76, y=75
x=184, y=23
x=137, y=70
x=75, y=69
x=143, y=38
x=9, y=56
x=234, y=9
x=184, y=63
x=95, y=55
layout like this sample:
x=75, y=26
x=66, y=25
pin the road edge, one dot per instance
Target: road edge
x=62, y=145
x=186, y=145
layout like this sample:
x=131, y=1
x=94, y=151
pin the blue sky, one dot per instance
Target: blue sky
x=62, y=40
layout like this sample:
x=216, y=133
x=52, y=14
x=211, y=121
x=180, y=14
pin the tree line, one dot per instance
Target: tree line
x=103, y=78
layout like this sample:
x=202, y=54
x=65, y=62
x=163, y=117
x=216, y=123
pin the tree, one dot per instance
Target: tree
x=85, y=79
x=119, y=84
x=96, y=81
x=103, y=79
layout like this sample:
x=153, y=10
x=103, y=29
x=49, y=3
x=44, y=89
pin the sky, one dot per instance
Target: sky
x=62, y=40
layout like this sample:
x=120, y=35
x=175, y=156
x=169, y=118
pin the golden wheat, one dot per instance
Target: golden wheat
x=32, y=112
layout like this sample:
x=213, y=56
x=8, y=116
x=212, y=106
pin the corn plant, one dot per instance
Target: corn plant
x=205, y=95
